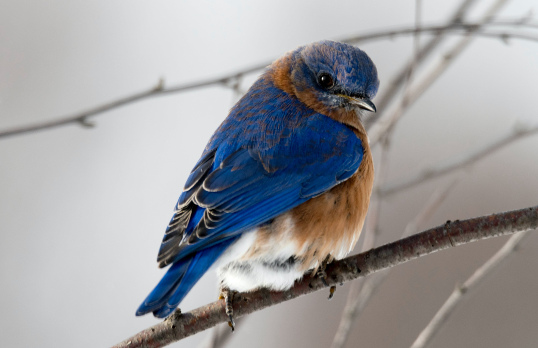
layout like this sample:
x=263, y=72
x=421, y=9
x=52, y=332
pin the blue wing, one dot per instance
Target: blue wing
x=257, y=166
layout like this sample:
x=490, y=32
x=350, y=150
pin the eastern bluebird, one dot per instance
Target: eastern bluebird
x=283, y=185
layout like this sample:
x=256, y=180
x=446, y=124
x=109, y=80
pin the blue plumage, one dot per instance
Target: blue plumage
x=271, y=154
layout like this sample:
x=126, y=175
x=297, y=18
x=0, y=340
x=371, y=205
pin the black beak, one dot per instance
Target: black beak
x=365, y=104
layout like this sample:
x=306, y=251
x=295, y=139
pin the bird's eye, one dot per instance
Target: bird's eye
x=325, y=80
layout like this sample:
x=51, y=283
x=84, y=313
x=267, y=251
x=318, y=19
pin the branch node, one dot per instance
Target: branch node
x=447, y=227
x=461, y=288
x=160, y=85
x=84, y=122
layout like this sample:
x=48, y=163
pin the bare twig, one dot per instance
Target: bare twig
x=358, y=297
x=419, y=57
x=358, y=301
x=413, y=94
x=519, y=132
x=431, y=206
x=220, y=335
x=160, y=90
x=451, y=234
x=457, y=295
x=457, y=28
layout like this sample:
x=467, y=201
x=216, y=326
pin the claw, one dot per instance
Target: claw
x=228, y=296
x=322, y=275
x=331, y=292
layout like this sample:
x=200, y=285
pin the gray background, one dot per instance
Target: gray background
x=82, y=211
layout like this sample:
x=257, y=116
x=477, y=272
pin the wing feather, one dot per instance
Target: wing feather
x=252, y=185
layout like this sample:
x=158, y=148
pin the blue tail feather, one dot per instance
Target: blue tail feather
x=179, y=280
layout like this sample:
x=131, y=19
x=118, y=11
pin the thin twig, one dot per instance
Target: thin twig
x=220, y=335
x=519, y=132
x=459, y=28
x=413, y=94
x=431, y=206
x=160, y=90
x=457, y=295
x=451, y=234
x=419, y=57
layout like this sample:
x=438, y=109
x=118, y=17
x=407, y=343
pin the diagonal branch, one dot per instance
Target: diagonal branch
x=220, y=335
x=412, y=94
x=158, y=90
x=451, y=234
x=419, y=56
x=459, y=292
x=460, y=162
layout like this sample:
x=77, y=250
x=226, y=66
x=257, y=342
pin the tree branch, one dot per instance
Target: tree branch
x=392, y=90
x=520, y=131
x=457, y=295
x=228, y=80
x=412, y=94
x=451, y=234
x=158, y=90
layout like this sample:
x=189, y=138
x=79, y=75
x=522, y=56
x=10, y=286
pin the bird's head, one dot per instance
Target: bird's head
x=329, y=77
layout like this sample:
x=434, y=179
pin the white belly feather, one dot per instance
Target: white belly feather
x=272, y=266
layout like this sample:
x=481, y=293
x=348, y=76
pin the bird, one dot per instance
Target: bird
x=283, y=185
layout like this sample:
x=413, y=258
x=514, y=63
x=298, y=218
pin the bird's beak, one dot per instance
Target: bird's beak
x=363, y=103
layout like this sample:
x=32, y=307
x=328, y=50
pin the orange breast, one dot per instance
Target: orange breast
x=330, y=224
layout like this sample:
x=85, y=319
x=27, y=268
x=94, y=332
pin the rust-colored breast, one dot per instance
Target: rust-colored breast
x=330, y=224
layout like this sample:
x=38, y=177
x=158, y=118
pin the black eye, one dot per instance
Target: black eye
x=325, y=80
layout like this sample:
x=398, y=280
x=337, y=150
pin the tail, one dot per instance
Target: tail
x=179, y=280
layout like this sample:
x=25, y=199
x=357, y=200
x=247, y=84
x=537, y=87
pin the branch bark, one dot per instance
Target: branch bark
x=451, y=234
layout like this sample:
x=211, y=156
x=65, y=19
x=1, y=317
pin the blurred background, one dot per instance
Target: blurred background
x=83, y=210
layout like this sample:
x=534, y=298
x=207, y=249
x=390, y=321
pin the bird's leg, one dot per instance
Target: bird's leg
x=228, y=295
x=320, y=273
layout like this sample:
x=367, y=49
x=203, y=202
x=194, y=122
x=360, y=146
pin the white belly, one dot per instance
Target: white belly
x=247, y=266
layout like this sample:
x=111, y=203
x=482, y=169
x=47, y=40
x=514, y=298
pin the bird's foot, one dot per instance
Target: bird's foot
x=228, y=295
x=322, y=275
